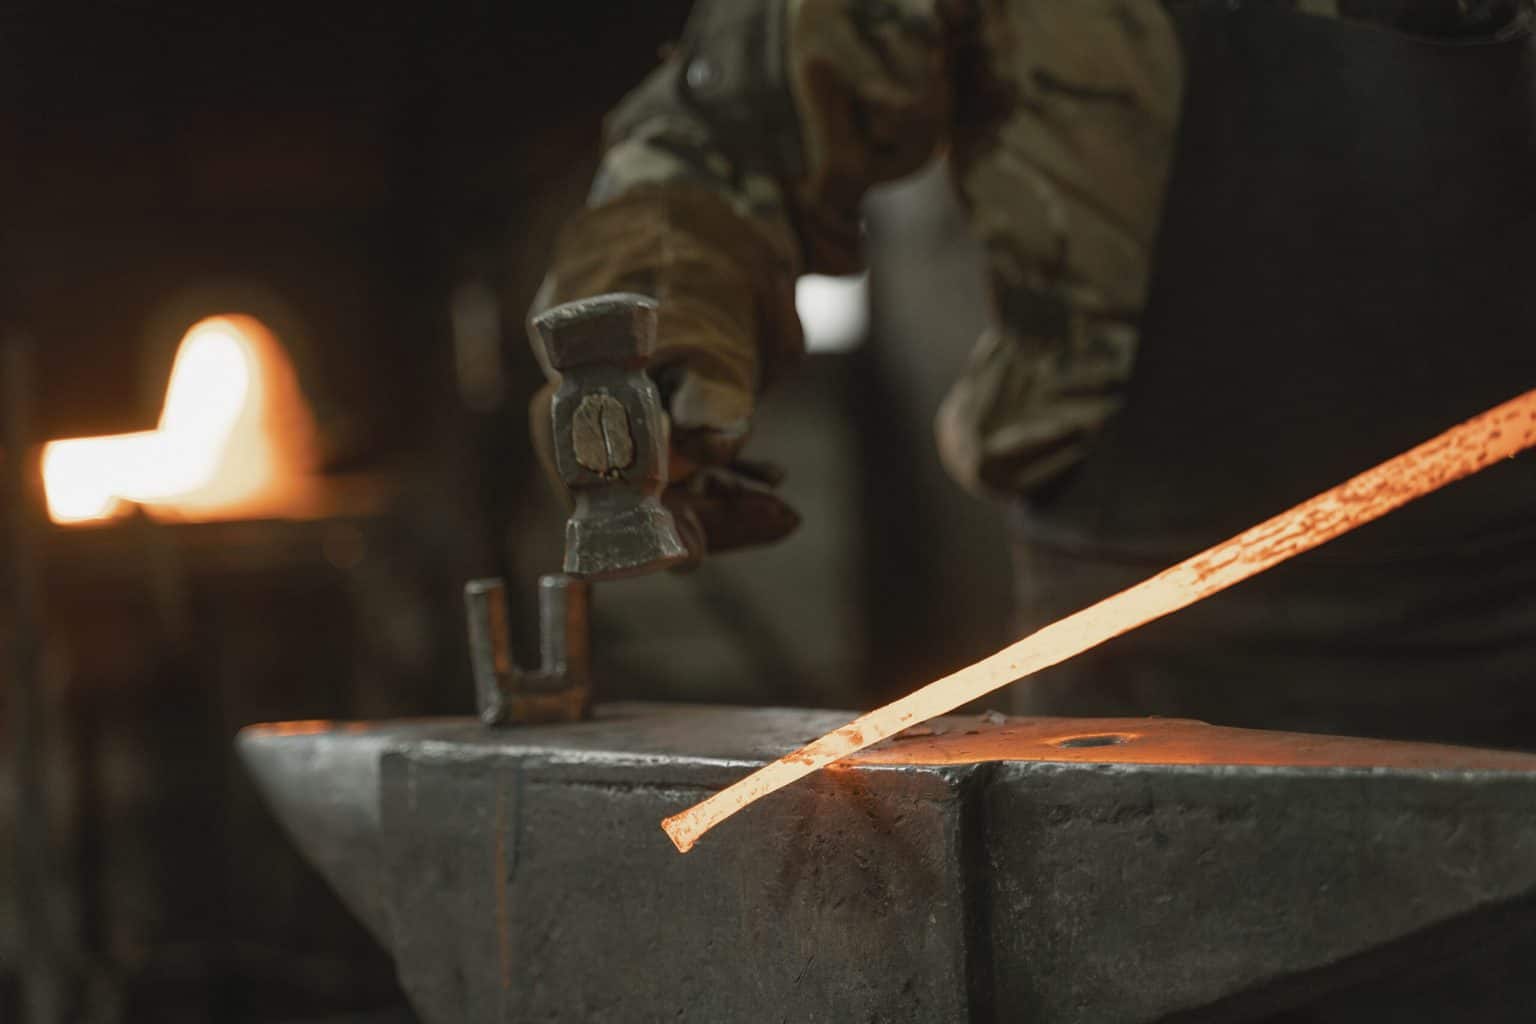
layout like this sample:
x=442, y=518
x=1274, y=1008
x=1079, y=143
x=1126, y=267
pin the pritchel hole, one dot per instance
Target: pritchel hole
x=1107, y=739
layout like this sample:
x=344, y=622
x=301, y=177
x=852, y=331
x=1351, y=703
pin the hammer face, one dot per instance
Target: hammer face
x=618, y=535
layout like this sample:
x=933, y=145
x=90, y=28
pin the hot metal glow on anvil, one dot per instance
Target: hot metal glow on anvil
x=1498, y=434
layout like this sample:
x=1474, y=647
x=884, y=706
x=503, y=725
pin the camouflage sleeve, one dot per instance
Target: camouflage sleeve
x=740, y=164
x=1063, y=166
x=1062, y=156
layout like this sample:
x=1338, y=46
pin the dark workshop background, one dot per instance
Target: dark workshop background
x=379, y=185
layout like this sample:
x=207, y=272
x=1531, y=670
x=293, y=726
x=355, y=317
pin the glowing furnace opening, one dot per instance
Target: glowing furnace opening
x=234, y=441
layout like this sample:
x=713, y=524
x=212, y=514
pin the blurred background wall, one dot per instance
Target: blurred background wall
x=379, y=185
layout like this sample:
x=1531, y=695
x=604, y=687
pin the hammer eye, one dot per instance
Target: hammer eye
x=601, y=437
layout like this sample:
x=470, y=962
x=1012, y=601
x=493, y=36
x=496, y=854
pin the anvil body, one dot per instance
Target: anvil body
x=1043, y=870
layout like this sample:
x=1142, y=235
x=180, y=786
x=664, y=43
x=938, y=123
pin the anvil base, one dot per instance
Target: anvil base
x=1042, y=870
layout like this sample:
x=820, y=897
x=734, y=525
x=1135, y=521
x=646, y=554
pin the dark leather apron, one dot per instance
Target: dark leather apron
x=1345, y=268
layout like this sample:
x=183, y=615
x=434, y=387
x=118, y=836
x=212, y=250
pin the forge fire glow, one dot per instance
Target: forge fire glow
x=231, y=432
x=1501, y=432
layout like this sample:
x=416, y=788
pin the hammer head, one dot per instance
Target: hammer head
x=610, y=437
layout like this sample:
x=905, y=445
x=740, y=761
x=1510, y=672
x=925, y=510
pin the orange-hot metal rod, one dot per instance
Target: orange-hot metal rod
x=1497, y=434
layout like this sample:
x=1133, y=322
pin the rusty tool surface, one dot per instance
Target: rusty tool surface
x=1061, y=871
x=1500, y=433
x=610, y=437
x=560, y=688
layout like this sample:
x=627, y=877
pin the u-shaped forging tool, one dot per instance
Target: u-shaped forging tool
x=560, y=688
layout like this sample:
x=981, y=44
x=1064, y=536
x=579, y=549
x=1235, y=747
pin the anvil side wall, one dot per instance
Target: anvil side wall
x=1130, y=893
x=839, y=900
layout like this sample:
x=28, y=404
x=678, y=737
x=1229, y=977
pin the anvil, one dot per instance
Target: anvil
x=992, y=869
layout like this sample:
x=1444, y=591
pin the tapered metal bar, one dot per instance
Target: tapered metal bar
x=490, y=644
x=565, y=630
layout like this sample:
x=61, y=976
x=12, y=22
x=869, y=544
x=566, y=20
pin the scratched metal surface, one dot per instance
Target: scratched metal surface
x=1031, y=869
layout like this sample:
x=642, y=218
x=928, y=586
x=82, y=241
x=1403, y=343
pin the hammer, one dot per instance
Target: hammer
x=610, y=437
x=611, y=451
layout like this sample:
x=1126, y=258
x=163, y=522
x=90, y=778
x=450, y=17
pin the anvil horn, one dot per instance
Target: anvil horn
x=321, y=781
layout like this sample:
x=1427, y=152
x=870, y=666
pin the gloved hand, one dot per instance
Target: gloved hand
x=685, y=247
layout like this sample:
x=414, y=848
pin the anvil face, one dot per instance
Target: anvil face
x=1029, y=869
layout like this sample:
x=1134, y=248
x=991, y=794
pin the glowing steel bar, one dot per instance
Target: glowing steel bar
x=1500, y=433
